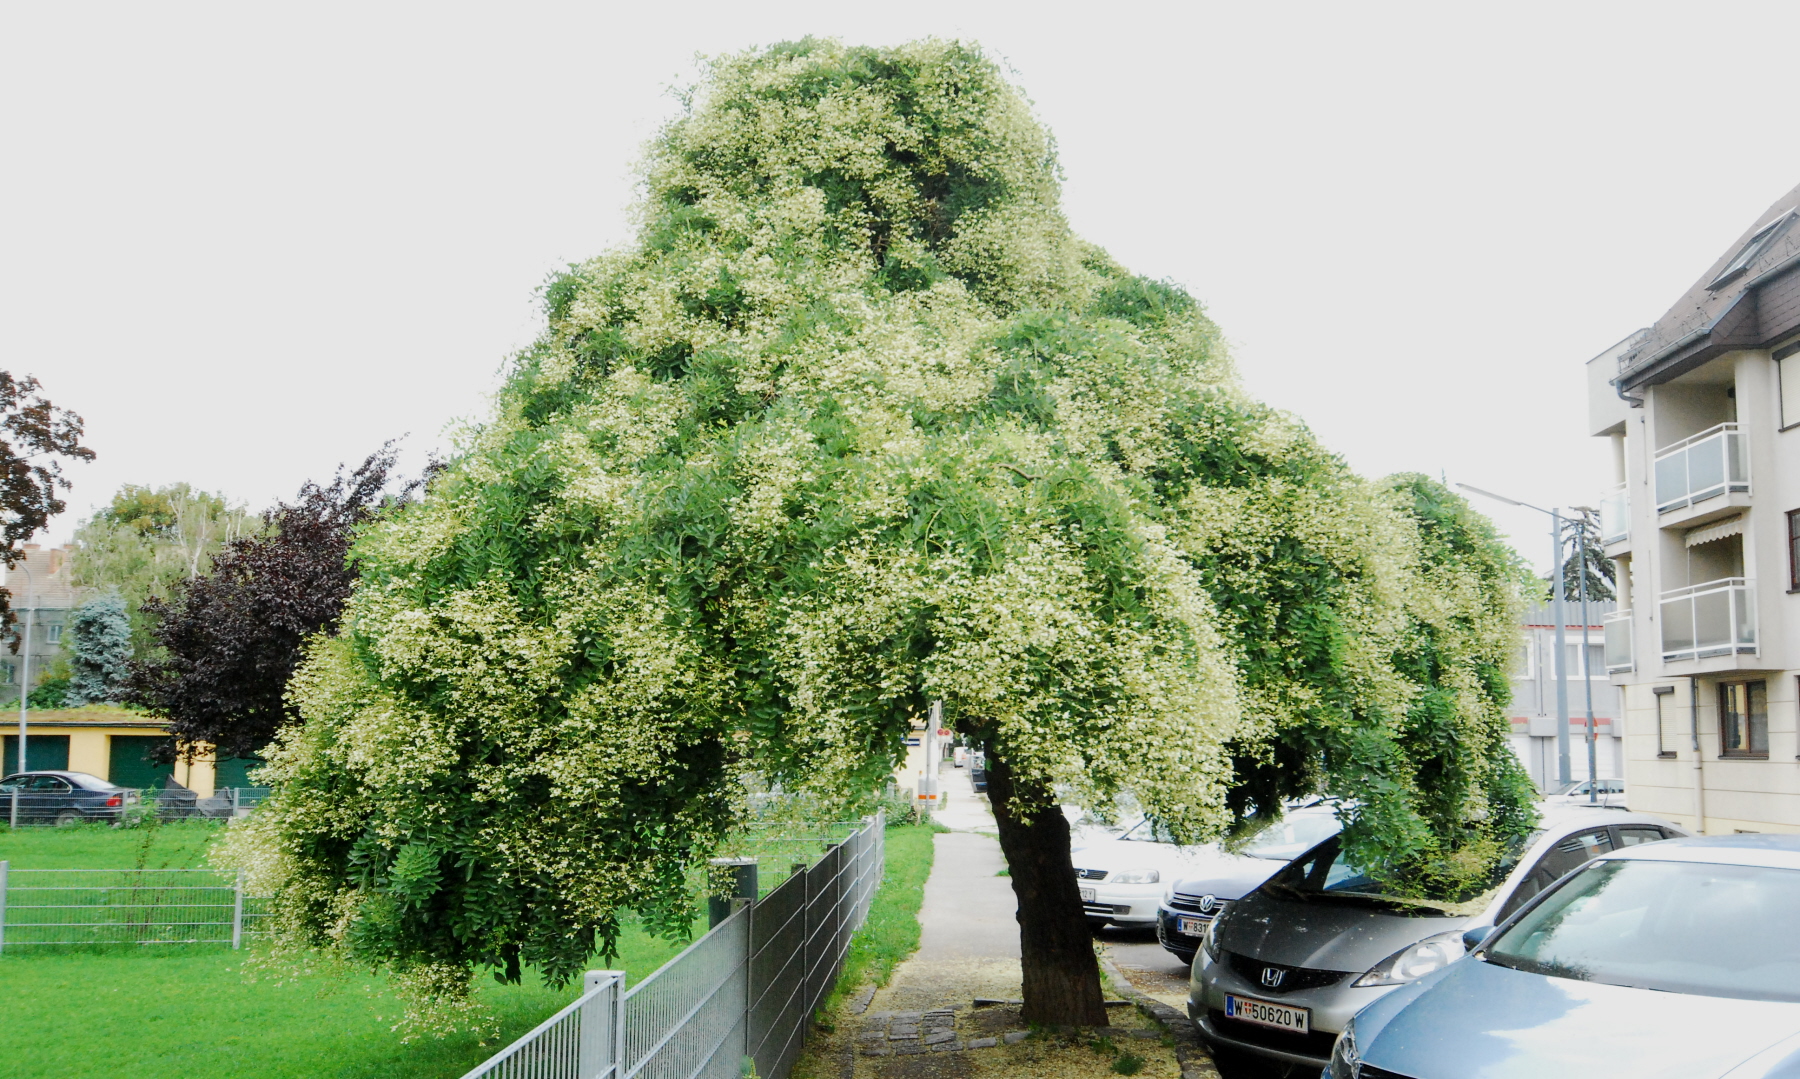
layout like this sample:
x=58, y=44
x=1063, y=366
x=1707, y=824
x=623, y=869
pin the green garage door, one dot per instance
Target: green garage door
x=128, y=761
x=49, y=753
x=234, y=772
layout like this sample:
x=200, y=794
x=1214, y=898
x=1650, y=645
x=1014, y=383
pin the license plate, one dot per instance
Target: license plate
x=1087, y=895
x=1263, y=1013
x=1192, y=927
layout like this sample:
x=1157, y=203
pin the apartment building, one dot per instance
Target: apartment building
x=41, y=588
x=1534, y=708
x=1702, y=410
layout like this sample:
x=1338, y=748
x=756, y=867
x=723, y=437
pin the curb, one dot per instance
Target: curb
x=1190, y=1052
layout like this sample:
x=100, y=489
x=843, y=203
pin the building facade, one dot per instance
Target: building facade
x=41, y=589
x=1534, y=708
x=1703, y=521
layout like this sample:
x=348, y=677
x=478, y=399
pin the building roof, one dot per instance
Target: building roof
x=1741, y=301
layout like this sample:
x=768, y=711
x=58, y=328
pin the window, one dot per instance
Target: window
x=1744, y=719
x=53, y=632
x=1752, y=248
x=1666, y=720
x=1793, y=546
x=1596, y=655
x=1523, y=668
x=1635, y=834
x=9, y=673
x=1787, y=382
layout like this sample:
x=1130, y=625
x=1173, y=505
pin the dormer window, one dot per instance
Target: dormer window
x=1753, y=247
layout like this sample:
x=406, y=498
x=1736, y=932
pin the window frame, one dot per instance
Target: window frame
x=1747, y=747
x=1662, y=694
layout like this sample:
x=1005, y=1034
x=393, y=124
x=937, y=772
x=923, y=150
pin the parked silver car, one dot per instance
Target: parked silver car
x=1284, y=969
x=1681, y=959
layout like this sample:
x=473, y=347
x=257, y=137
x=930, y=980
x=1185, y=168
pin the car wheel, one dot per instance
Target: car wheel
x=68, y=818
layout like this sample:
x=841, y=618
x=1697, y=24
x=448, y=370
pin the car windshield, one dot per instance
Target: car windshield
x=1326, y=874
x=1291, y=837
x=1678, y=927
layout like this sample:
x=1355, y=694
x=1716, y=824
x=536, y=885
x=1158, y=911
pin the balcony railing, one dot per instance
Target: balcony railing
x=1615, y=516
x=1717, y=618
x=1712, y=463
x=1617, y=626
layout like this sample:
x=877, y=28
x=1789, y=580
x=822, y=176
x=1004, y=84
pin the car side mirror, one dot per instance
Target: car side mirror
x=1475, y=936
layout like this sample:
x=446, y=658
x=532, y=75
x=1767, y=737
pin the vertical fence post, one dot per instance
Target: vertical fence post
x=13, y=820
x=600, y=1050
x=237, y=910
x=4, y=864
x=234, y=801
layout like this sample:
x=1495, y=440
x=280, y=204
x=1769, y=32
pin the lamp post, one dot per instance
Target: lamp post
x=25, y=674
x=1556, y=609
x=1587, y=673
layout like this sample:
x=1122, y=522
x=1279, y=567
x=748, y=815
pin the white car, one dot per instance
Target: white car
x=1611, y=794
x=1123, y=880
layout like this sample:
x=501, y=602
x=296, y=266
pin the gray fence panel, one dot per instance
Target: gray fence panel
x=687, y=1019
x=749, y=988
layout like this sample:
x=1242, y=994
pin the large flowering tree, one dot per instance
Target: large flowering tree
x=856, y=424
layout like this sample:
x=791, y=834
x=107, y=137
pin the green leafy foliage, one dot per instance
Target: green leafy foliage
x=147, y=541
x=858, y=423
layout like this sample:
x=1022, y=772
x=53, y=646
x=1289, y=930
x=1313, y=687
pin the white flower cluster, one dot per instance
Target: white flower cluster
x=857, y=424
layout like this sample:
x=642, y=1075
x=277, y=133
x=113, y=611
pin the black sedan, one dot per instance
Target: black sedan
x=61, y=798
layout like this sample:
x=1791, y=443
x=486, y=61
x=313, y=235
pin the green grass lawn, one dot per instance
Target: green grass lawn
x=174, y=845
x=197, y=1010
x=892, y=931
x=179, y=1010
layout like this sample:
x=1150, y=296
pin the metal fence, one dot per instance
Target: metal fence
x=23, y=808
x=742, y=994
x=125, y=906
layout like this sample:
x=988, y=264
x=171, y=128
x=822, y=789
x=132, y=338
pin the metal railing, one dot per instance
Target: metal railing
x=1617, y=628
x=1615, y=516
x=742, y=995
x=125, y=906
x=1711, y=463
x=1715, y=618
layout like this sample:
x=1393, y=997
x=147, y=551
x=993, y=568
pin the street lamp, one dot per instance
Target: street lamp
x=25, y=674
x=1556, y=607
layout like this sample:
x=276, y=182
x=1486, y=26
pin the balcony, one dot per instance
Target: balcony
x=1712, y=463
x=1617, y=627
x=1615, y=517
x=1717, y=618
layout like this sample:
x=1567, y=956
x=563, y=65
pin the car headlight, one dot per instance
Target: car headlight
x=1414, y=961
x=1209, y=940
x=1345, y=1063
x=1136, y=876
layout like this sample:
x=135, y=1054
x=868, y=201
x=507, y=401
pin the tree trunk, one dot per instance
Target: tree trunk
x=1062, y=978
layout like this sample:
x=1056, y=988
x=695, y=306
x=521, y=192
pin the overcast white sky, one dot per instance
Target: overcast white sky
x=250, y=241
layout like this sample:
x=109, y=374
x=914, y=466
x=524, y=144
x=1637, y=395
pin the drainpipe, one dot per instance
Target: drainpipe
x=1699, y=766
